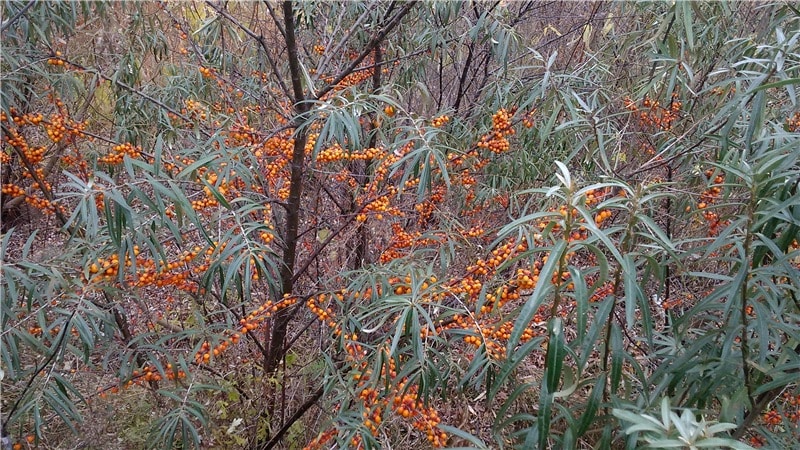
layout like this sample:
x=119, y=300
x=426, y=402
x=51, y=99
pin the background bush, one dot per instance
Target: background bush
x=382, y=224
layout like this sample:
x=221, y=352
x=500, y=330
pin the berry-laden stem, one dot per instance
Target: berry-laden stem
x=627, y=246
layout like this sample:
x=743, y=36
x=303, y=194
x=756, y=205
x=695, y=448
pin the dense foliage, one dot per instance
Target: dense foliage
x=380, y=224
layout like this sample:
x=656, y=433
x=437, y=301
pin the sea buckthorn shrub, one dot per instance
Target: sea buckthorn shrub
x=377, y=225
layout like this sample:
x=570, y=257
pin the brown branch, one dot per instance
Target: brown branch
x=133, y=90
x=16, y=17
x=375, y=41
x=295, y=417
x=258, y=38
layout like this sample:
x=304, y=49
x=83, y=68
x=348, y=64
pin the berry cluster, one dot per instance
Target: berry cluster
x=708, y=198
x=118, y=153
x=56, y=60
x=651, y=114
x=252, y=322
x=496, y=141
x=527, y=119
x=793, y=123
x=440, y=121
x=337, y=153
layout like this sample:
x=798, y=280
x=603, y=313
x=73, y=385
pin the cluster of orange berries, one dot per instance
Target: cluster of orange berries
x=241, y=134
x=466, y=179
x=379, y=207
x=319, y=49
x=425, y=418
x=194, y=110
x=475, y=232
x=204, y=355
x=118, y=153
x=14, y=139
x=720, y=91
x=400, y=239
x=372, y=419
x=561, y=279
x=440, y=121
x=653, y=114
x=793, y=123
x=505, y=252
x=527, y=119
x=403, y=400
x=34, y=155
x=250, y=323
x=527, y=279
x=12, y=190
x=403, y=286
x=147, y=374
x=772, y=417
x=503, y=332
x=151, y=374
x=44, y=205
x=712, y=193
x=25, y=119
x=500, y=297
x=267, y=236
x=496, y=338
x=496, y=141
x=109, y=268
x=56, y=130
x=789, y=411
x=208, y=72
x=499, y=255
x=322, y=439
x=426, y=207
x=30, y=439
x=595, y=196
x=668, y=304
x=337, y=153
x=56, y=59
x=325, y=315
x=709, y=197
x=602, y=292
x=209, y=200
x=354, y=78
x=602, y=216
x=494, y=349
x=757, y=441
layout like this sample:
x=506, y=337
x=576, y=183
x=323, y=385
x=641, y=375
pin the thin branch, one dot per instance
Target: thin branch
x=376, y=40
x=133, y=90
x=21, y=12
x=64, y=332
x=323, y=66
x=275, y=19
x=295, y=417
x=258, y=38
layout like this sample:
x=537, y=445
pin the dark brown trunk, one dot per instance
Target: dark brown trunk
x=281, y=320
